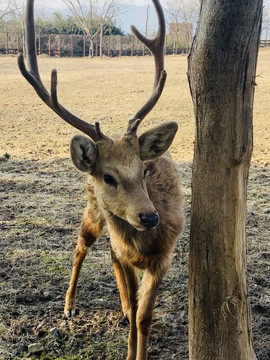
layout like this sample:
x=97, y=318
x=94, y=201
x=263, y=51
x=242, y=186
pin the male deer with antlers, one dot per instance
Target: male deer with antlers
x=132, y=187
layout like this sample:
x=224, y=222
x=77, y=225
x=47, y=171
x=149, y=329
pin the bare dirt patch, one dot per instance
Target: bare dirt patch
x=42, y=198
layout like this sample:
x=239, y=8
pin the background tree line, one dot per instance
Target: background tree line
x=98, y=18
x=58, y=24
x=95, y=18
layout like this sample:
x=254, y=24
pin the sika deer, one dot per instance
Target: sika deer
x=132, y=186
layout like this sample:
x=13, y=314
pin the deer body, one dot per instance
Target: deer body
x=133, y=187
x=143, y=249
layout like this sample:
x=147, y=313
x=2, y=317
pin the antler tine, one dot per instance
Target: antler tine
x=33, y=78
x=156, y=46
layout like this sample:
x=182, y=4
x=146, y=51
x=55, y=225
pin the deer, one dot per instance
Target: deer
x=133, y=187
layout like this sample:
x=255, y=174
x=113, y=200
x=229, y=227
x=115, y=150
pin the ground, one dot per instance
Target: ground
x=43, y=196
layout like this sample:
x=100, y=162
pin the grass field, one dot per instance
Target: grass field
x=42, y=198
x=109, y=91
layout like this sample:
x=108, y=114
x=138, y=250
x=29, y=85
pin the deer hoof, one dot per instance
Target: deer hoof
x=70, y=313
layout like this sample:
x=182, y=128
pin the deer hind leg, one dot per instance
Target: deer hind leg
x=146, y=302
x=91, y=228
x=121, y=283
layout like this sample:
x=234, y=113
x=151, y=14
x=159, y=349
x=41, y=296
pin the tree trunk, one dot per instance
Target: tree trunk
x=84, y=46
x=91, y=46
x=60, y=44
x=71, y=45
x=39, y=45
x=7, y=45
x=101, y=41
x=120, y=46
x=50, y=45
x=132, y=46
x=221, y=73
x=97, y=45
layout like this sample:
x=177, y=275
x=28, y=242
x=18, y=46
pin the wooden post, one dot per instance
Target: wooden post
x=120, y=44
x=96, y=45
x=83, y=45
x=72, y=46
x=101, y=41
x=39, y=45
x=174, y=45
x=17, y=43
x=50, y=45
x=7, y=43
x=132, y=45
x=59, y=45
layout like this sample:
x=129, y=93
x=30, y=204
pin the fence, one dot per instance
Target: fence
x=81, y=45
x=264, y=43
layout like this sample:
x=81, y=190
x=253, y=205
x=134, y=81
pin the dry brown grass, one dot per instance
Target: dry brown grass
x=109, y=91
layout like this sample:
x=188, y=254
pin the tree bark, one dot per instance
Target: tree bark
x=221, y=74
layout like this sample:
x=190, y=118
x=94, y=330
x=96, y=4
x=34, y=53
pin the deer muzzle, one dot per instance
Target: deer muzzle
x=149, y=221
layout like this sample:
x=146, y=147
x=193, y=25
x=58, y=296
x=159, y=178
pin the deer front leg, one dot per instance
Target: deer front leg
x=90, y=230
x=132, y=288
x=147, y=297
x=121, y=283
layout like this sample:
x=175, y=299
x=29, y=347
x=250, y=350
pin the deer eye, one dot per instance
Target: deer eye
x=110, y=180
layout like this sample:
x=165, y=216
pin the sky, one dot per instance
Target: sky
x=60, y=4
x=133, y=15
x=135, y=12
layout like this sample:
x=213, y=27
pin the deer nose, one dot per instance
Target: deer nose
x=149, y=220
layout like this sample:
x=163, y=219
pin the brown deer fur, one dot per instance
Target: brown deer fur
x=142, y=187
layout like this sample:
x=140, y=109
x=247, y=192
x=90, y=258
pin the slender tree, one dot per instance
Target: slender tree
x=266, y=20
x=93, y=17
x=6, y=9
x=221, y=73
x=10, y=9
x=185, y=12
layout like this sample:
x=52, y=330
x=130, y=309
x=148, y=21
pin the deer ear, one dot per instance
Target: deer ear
x=155, y=142
x=83, y=153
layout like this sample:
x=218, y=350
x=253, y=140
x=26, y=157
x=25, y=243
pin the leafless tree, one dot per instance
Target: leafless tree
x=92, y=17
x=13, y=10
x=13, y=16
x=147, y=4
x=185, y=11
x=8, y=7
x=266, y=19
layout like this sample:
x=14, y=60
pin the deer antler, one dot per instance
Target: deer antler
x=156, y=46
x=33, y=78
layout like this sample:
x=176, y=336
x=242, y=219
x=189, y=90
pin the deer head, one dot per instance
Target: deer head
x=119, y=165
